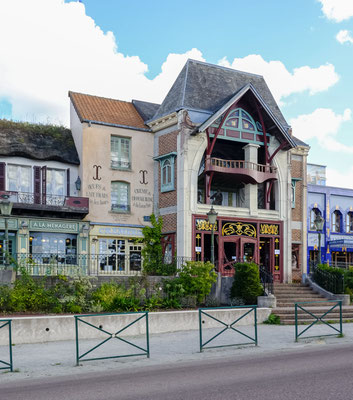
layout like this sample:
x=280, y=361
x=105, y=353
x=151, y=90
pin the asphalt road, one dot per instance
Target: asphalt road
x=324, y=373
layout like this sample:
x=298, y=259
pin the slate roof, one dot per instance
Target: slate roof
x=106, y=111
x=299, y=142
x=145, y=109
x=37, y=142
x=207, y=87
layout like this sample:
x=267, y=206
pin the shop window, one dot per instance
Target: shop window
x=120, y=197
x=112, y=255
x=349, y=222
x=120, y=150
x=19, y=178
x=48, y=247
x=313, y=213
x=336, y=221
x=135, y=258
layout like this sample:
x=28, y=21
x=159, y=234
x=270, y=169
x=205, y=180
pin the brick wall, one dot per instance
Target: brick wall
x=296, y=235
x=169, y=223
x=297, y=212
x=167, y=144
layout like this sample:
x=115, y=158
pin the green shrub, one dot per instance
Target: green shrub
x=246, y=284
x=273, y=319
x=197, y=278
x=106, y=294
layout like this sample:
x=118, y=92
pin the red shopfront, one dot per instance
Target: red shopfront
x=240, y=240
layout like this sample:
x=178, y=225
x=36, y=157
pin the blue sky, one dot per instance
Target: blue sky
x=127, y=50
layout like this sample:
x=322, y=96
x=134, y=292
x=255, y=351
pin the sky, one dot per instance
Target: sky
x=135, y=50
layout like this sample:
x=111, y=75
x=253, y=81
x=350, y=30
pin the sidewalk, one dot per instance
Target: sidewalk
x=58, y=358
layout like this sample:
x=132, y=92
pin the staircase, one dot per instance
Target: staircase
x=288, y=294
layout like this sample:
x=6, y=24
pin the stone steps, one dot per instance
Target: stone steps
x=288, y=294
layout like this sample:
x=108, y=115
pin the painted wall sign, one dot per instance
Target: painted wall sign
x=238, y=229
x=120, y=231
x=53, y=226
x=142, y=198
x=204, y=225
x=97, y=168
x=269, y=229
x=97, y=194
x=144, y=178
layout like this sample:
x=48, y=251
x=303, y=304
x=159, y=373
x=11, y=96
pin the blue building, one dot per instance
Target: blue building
x=335, y=205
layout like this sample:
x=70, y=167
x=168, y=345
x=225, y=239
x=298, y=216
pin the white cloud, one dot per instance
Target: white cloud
x=322, y=124
x=338, y=178
x=49, y=47
x=344, y=36
x=337, y=10
x=283, y=82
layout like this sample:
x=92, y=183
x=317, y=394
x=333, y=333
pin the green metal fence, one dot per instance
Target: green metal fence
x=4, y=364
x=318, y=318
x=204, y=312
x=111, y=335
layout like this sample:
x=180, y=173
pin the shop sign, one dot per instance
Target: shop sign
x=204, y=225
x=53, y=226
x=120, y=231
x=269, y=229
x=238, y=229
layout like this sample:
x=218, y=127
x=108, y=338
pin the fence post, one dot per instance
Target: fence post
x=341, y=327
x=147, y=336
x=77, y=349
x=296, y=321
x=10, y=346
x=200, y=329
x=255, y=318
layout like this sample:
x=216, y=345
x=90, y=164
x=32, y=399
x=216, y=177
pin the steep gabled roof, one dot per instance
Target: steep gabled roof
x=207, y=87
x=37, y=142
x=145, y=109
x=106, y=111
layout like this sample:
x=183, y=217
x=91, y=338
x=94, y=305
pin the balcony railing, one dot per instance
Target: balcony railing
x=254, y=173
x=49, y=201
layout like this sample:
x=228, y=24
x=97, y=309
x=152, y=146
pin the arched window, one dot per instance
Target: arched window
x=349, y=222
x=240, y=119
x=336, y=221
x=167, y=162
x=313, y=213
x=166, y=172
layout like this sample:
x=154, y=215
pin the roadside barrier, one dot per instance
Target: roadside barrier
x=205, y=313
x=81, y=319
x=318, y=318
x=4, y=364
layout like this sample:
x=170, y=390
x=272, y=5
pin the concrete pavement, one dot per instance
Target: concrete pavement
x=58, y=358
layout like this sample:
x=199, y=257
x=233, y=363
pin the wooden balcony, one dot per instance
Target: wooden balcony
x=247, y=171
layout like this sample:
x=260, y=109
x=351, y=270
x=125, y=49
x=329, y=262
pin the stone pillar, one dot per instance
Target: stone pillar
x=250, y=153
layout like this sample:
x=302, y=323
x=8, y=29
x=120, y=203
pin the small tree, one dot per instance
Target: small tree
x=152, y=250
x=197, y=278
x=246, y=285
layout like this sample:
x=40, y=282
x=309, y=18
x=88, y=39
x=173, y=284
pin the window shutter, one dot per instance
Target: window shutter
x=44, y=185
x=68, y=182
x=2, y=176
x=36, y=184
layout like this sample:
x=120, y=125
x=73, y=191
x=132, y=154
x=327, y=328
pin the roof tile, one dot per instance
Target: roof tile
x=109, y=111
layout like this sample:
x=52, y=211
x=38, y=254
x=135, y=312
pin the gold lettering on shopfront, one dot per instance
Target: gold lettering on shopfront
x=204, y=225
x=238, y=229
x=267, y=229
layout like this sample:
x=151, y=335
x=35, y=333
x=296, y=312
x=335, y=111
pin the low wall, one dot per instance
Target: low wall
x=55, y=328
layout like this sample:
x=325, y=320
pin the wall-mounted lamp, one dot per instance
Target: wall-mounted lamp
x=78, y=183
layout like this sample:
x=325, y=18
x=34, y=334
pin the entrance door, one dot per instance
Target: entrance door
x=265, y=254
x=248, y=250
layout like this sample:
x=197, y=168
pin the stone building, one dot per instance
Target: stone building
x=39, y=168
x=221, y=139
x=335, y=205
x=116, y=152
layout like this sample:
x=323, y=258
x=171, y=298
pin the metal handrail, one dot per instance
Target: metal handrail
x=329, y=281
x=266, y=279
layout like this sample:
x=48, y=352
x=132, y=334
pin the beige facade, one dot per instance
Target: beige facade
x=116, y=218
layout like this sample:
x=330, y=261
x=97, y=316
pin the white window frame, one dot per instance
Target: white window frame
x=116, y=151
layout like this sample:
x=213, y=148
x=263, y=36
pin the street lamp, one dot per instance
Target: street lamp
x=319, y=224
x=212, y=218
x=6, y=208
